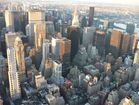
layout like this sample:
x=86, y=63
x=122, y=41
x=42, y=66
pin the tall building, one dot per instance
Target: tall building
x=15, y=20
x=14, y=85
x=2, y=20
x=75, y=20
x=115, y=42
x=30, y=33
x=125, y=43
x=40, y=34
x=91, y=15
x=133, y=42
x=10, y=38
x=49, y=29
x=130, y=28
x=75, y=35
x=9, y=20
x=136, y=56
x=19, y=52
x=36, y=16
x=57, y=73
x=45, y=55
x=100, y=41
x=88, y=35
x=61, y=48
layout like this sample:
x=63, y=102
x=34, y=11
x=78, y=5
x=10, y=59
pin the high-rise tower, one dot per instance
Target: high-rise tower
x=45, y=54
x=40, y=34
x=75, y=35
x=91, y=15
x=14, y=85
x=136, y=56
x=19, y=52
x=115, y=42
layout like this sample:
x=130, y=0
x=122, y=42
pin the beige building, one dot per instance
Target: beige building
x=14, y=85
x=10, y=39
x=9, y=20
x=136, y=56
x=36, y=16
x=40, y=34
x=19, y=52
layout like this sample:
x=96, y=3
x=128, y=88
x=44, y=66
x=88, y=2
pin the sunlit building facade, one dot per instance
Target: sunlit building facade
x=14, y=85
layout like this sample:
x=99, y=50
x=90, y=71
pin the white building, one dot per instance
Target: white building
x=14, y=85
x=45, y=54
x=57, y=73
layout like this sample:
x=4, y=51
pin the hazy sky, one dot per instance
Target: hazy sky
x=133, y=2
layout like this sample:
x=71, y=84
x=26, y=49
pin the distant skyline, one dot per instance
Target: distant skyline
x=126, y=2
x=122, y=2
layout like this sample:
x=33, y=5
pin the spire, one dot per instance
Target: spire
x=75, y=20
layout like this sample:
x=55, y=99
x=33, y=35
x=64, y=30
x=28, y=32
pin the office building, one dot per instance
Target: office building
x=10, y=38
x=2, y=21
x=40, y=34
x=61, y=48
x=125, y=43
x=57, y=73
x=19, y=52
x=48, y=68
x=50, y=29
x=133, y=42
x=36, y=16
x=9, y=20
x=88, y=35
x=136, y=56
x=81, y=57
x=40, y=81
x=45, y=54
x=100, y=41
x=130, y=28
x=91, y=15
x=15, y=20
x=14, y=85
x=75, y=35
x=115, y=42
x=30, y=33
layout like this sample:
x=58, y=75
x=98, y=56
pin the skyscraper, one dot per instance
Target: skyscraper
x=75, y=35
x=57, y=73
x=115, y=42
x=15, y=20
x=100, y=41
x=125, y=43
x=36, y=16
x=136, y=56
x=10, y=38
x=49, y=29
x=14, y=85
x=130, y=28
x=88, y=35
x=40, y=34
x=45, y=54
x=61, y=50
x=19, y=52
x=30, y=33
x=91, y=15
x=9, y=20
